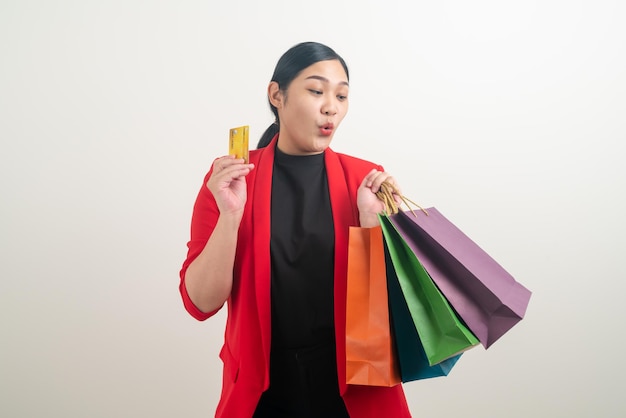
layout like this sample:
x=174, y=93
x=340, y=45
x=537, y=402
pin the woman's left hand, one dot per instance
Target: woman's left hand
x=368, y=203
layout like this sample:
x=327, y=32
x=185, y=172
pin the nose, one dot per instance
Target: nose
x=329, y=108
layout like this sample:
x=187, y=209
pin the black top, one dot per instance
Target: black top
x=302, y=253
x=303, y=366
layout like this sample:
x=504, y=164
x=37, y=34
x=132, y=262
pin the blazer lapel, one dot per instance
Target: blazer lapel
x=345, y=213
x=261, y=227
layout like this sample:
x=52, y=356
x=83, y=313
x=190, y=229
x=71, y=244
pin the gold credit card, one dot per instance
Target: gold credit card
x=238, y=142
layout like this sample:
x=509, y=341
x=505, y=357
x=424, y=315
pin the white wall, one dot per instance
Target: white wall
x=509, y=116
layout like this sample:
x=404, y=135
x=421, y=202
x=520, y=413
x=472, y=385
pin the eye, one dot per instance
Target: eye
x=316, y=92
x=342, y=97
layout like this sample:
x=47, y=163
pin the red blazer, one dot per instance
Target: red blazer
x=246, y=348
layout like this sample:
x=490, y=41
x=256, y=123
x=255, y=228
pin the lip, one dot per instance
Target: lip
x=327, y=129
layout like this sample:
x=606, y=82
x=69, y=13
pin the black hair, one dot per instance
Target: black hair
x=296, y=59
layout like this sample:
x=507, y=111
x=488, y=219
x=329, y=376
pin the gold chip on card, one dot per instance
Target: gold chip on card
x=238, y=142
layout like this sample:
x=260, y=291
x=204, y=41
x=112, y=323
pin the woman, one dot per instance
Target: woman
x=270, y=237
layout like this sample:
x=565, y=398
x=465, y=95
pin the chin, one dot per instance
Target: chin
x=319, y=149
x=321, y=144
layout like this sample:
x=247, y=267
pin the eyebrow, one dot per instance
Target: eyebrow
x=324, y=79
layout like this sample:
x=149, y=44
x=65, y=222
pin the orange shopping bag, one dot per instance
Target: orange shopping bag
x=370, y=355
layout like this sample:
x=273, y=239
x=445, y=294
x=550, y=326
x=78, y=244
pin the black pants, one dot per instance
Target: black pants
x=303, y=384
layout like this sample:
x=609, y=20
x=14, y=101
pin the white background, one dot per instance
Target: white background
x=508, y=116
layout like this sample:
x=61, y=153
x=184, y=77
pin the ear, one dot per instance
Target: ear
x=275, y=95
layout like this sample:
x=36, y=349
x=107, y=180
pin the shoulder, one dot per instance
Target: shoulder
x=352, y=162
x=352, y=169
x=254, y=154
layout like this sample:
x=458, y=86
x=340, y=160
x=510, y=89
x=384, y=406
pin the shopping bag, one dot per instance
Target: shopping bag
x=486, y=297
x=411, y=356
x=370, y=355
x=441, y=332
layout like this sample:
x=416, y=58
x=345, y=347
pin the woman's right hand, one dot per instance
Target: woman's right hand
x=209, y=278
x=228, y=184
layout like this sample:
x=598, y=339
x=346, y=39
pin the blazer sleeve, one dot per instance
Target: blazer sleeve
x=203, y=221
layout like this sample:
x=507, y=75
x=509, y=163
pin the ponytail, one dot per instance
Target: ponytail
x=268, y=135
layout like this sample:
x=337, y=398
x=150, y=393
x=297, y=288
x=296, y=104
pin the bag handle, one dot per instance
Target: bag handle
x=385, y=194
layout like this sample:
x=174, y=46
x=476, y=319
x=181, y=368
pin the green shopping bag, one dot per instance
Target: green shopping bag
x=441, y=332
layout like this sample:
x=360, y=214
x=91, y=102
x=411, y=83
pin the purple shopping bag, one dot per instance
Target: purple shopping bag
x=484, y=295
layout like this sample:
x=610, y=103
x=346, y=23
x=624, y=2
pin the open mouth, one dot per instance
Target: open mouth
x=327, y=129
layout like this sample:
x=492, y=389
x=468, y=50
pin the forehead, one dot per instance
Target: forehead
x=330, y=71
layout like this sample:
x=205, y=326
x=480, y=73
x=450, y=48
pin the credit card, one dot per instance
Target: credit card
x=238, y=142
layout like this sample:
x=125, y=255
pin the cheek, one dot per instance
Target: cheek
x=344, y=110
x=300, y=108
